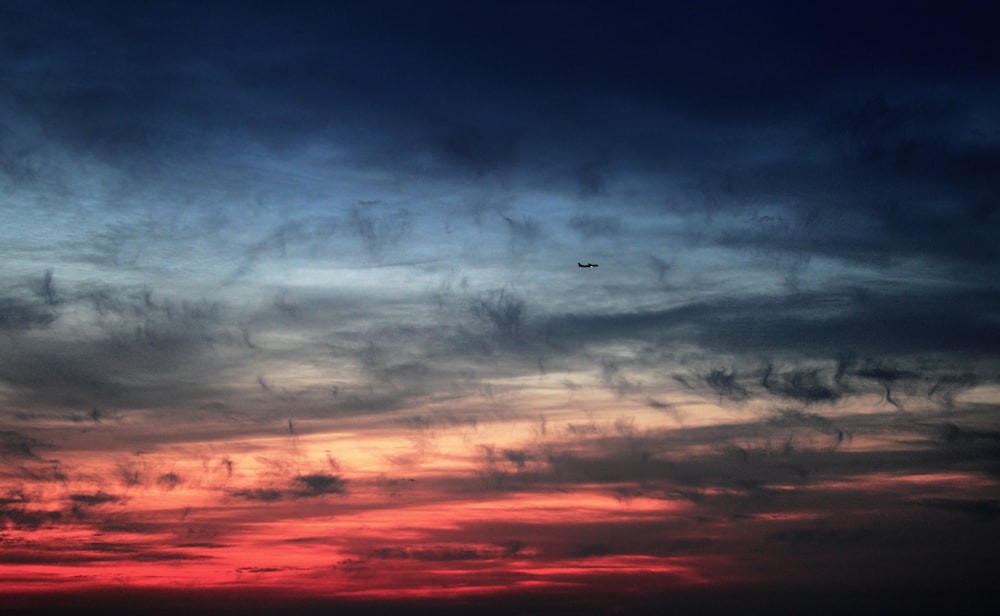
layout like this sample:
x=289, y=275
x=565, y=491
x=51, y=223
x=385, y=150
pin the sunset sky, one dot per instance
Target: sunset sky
x=291, y=315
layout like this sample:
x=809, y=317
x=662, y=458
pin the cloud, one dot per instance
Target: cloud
x=952, y=433
x=93, y=500
x=802, y=384
x=17, y=511
x=612, y=375
x=522, y=235
x=404, y=375
x=18, y=315
x=588, y=550
x=30, y=305
x=314, y=238
x=441, y=553
x=17, y=445
x=595, y=226
x=45, y=289
x=317, y=484
x=916, y=143
x=265, y=495
x=725, y=384
x=794, y=417
x=868, y=323
x=19, y=162
x=948, y=386
x=133, y=347
x=783, y=452
x=591, y=177
x=31, y=519
x=260, y=569
x=478, y=149
x=168, y=481
x=982, y=508
x=505, y=312
x=835, y=536
x=380, y=230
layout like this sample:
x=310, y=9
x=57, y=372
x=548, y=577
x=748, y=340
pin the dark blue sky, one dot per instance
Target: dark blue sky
x=235, y=232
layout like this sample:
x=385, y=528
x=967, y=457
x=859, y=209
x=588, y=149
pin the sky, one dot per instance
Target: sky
x=291, y=311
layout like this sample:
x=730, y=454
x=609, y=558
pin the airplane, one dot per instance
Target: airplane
x=587, y=265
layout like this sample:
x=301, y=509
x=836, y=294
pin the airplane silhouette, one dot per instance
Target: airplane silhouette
x=587, y=265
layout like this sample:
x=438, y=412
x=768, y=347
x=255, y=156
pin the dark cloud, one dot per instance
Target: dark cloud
x=828, y=382
x=29, y=306
x=888, y=378
x=130, y=474
x=726, y=384
x=18, y=315
x=312, y=239
x=168, y=481
x=14, y=497
x=265, y=495
x=317, y=484
x=138, y=340
x=742, y=463
x=595, y=226
x=45, y=289
x=814, y=323
x=17, y=445
x=794, y=417
x=478, y=150
x=380, y=229
x=915, y=142
x=435, y=553
x=892, y=178
x=260, y=569
x=27, y=517
x=592, y=176
x=615, y=378
x=984, y=509
x=587, y=550
x=517, y=458
x=504, y=312
x=661, y=267
x=950, y=385
x=508, y=468
x=834, y=536
x=952, y=433
x=523, y=234
x=95, y=499
x=803, y=385
x=19, y=162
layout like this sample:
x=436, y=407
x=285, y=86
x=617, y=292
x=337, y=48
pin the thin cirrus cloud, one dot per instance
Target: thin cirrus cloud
x=290, y=303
